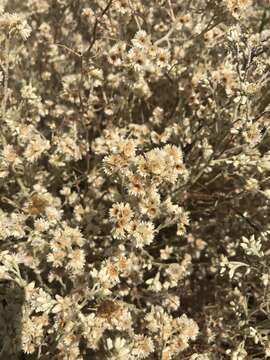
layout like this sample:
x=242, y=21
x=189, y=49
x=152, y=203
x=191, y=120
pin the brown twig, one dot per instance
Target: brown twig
x=86, y=54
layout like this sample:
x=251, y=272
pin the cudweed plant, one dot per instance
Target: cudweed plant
x=134, y=175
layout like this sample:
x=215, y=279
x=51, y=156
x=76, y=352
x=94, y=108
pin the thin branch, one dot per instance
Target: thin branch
x=86, y=54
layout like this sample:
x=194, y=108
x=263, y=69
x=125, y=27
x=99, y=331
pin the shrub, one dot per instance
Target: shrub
x=134, y=174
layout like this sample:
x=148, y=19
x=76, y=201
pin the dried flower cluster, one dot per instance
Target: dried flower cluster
x=135, y=179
